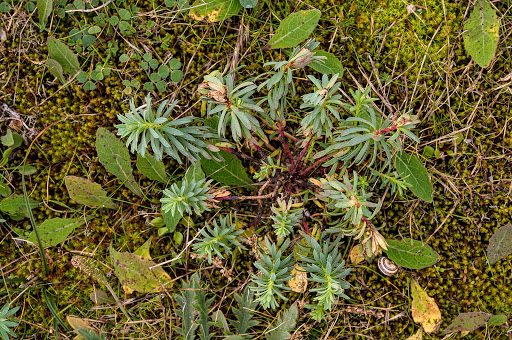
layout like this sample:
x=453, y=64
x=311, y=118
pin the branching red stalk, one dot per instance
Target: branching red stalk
x=299, y=163
x=285, y=143
x=314, y=165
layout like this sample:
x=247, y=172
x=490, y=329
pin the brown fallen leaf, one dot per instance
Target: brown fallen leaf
x=299, y=282
x=356, y=254
x=424, y=309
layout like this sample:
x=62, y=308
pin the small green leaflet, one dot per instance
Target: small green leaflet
x=214, y=10
x=500, y=244
x=412, y=254
x=295, y=28
x=61, y=53
x=481, y=33
x=151, y=168
x=195, y=173
x=135, y=274
x=115, y=157
x=44, y=8
x=88, y=193
x=467, y=322
x=410, y=168
x=55, y=68
x=55, y=230
x=331, y=65
x=229, y=172
x=497, y=320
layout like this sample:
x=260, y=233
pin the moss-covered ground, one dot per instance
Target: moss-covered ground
x=413, y=60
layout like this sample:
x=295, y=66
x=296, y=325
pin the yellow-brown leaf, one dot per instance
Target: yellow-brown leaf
x=424, y=309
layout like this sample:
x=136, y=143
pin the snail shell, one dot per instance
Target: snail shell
x=387, y=267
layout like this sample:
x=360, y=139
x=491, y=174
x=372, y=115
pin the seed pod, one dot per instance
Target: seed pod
x=387, y=267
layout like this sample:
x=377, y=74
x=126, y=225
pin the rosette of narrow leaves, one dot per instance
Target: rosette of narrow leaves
x=279, y=81
x=285, y=218
x=392, y=180
x=368, y=134
x=275, y=271
x=362, y=101
x=327, y=269
x=324, y=104
x=219, y=238
x=186, y=196
x=5, y=323
x=268, y=169
x=174, y=137
x=232, y=104
x=350, y=202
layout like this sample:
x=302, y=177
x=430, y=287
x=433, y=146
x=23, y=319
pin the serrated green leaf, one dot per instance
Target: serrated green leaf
x=467, y=322
x=115, y=157
x=15, y=205
x=187, y=310
x=285, y=324
x=88, y=193
x=55, y=230
x=481, y=33
x=61, y=53
x=219, y=320
x=151, y=168
x=214, y=10
x=229, y=172
x=55, y=68
x=295, y=28
x=135, y=274
x=410, y=168
x=245, y=311
x=44, y=8
x=195, y=173
x=500, y=244
x=331, y=65
x=412, y=254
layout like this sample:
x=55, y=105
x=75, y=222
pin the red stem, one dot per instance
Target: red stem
x=314, y=165
x=299, y=163
x=285, y=143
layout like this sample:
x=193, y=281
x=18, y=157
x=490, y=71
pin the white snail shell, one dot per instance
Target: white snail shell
x=387, y=267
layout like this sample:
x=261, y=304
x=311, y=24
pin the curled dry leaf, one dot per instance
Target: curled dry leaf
x=424, y=309
x=299, y=282
x=416, y=336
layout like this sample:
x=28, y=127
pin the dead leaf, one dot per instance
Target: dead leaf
x=356, y=254
x=424, y=309
x=76, y=323
x=299, y=282
x=508, y=77
x=467, y=322
x=416, y=336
